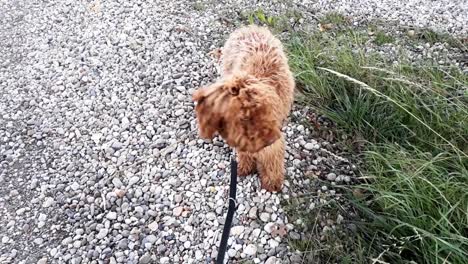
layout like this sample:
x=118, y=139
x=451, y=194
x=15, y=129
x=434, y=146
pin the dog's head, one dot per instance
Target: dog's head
x=240, y=109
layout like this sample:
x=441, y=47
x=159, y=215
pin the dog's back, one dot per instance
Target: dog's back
x=256, y=51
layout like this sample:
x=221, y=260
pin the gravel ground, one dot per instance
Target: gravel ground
x=99, y=156
x=442, y=15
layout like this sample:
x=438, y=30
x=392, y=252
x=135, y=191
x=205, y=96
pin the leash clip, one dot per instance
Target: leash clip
x=234, y=201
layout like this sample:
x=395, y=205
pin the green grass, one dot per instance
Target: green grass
x=260, y=17
x=334, y=246
x=277, y=23
x=382, y=38
x=433, y=37
x=199, y=6
x=334, y=18
x=415, y=163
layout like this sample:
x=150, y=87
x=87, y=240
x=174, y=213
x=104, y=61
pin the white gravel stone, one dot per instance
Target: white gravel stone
x=331, y=176
x=42, y=261
x=269, y=227
x=177, y=211
x=253, y=212
x=237, y=230
x=49, y=201
x=250, y=250
x=102, y=233
x=111, y=215
x=265, y=217
x=187, y=244
x=309, y=146
x=53, y=252
x=271, y=260
x=153, y=226
x=210, y=216
x=273, y=243
x=198, y=255
x=5, y=239
x=232, y=252
x=133, y=180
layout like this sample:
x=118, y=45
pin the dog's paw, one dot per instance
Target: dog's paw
x=245, y=170
x=271, y=186
x=246, y=164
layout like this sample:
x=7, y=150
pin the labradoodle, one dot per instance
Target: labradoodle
x=248, y=105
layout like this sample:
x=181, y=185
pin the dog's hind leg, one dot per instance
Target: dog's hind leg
x=270, y=164
x=247, y=164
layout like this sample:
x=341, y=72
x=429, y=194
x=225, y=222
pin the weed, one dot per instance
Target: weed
x=259, y=17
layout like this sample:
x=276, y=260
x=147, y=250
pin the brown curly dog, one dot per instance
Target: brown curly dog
x=248, y=105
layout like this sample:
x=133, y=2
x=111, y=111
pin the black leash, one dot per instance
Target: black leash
x=230, y=214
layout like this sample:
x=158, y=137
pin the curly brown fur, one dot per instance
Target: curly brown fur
x=249, y=103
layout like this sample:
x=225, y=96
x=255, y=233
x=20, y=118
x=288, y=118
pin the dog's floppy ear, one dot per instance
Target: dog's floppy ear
x=260, y=120
x=241, y=110
x=255, y=125
x=204, y=92
x=209, y=110
x=213, y=102
x=236, y=82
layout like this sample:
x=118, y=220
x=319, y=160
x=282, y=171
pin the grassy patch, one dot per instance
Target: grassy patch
x=259, y=17
x=199, y=6
x=415, y=122
x=324, y=242
x=277, y=23
x=433, y=37
x=382, y=38
x=334, y=18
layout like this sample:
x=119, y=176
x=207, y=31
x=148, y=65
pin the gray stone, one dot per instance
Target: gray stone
x=67, y=240
x=331, y=176
x=146, y=258
x=42, y=260
x=271, y=260
x=49, y=201
x=102, y=233
x=75, y=186
x=133, y=180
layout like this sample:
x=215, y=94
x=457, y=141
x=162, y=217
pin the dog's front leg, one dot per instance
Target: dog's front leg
x=270, y=163
x=246, y=163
